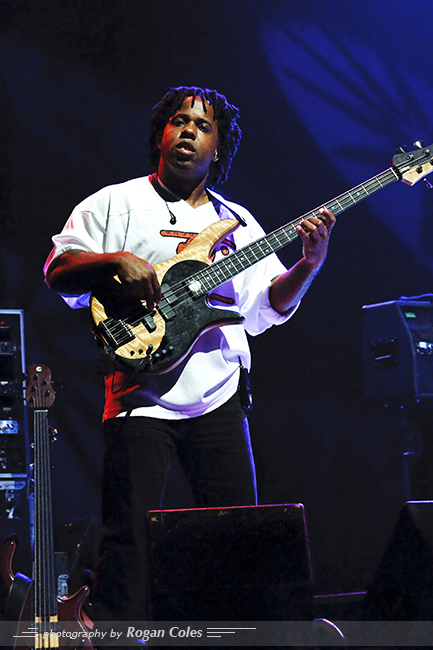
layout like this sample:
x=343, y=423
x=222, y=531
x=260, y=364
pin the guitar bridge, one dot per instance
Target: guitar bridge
x=115, y=332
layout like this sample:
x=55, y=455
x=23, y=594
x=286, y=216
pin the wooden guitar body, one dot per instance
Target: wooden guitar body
x=43, y=619
x=161, y=340
x=20, y=608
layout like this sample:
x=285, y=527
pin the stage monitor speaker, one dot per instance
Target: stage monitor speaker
x=398, y=350
x=402, y=588
x=230, y=563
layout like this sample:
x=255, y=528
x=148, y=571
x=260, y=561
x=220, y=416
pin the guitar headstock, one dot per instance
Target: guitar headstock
x=414, y=165
x=40, y=393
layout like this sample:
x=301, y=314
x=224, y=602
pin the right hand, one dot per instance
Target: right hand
x=138, y=278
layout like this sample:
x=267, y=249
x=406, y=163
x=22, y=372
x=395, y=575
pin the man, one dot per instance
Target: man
x=194, y=409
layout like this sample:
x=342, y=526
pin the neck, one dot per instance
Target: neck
x=191, y=191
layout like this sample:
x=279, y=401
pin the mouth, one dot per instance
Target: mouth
x=185, y=147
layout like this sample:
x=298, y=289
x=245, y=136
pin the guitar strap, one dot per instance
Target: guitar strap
x=218, y=202
x=216, y=199
x=244, y=388
x=17, y=597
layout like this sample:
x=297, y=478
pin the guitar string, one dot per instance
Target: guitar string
x=283, y=236
x=285, y=233
x=44, y=552
x=337, y=205
x=43, y=570
x=39, y=587
x=39, y=502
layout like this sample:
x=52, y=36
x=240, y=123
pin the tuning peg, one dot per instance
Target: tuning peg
x=428, y=184
x=402, y=149
x=418, y=143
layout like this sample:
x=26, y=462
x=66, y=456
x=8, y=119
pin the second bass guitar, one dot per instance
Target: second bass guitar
x=46, y=620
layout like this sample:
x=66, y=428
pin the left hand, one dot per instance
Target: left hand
x=315, y=236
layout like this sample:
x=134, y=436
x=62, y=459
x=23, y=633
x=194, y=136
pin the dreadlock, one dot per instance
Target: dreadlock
x=225, y=114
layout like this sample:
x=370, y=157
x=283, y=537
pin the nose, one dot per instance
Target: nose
x=189, y=131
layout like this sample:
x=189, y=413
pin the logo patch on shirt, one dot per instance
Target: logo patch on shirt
x=226, y=245
x=187, y=236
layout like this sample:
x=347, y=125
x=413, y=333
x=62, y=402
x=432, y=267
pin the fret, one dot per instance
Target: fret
x=45, y=596
x=40, y=396
x=219, y=272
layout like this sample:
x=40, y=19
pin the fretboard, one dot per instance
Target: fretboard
x=44, y=578
x=216, y=274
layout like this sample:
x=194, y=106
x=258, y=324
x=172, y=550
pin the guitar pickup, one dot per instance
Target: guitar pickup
x=164, y=307
x=165, y=310
x=149, y=323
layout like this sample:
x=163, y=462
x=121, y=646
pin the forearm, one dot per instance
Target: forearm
x=289, y=288
x=77, y=272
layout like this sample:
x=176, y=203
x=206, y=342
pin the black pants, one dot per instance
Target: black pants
x=215, y=453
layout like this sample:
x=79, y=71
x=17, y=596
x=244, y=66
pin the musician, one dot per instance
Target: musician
x=193, y=410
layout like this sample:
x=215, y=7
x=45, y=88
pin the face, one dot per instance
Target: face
x=189, y=140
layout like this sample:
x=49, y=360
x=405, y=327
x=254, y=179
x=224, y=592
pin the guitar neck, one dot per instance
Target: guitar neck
x=216, y=274
x=44, y=578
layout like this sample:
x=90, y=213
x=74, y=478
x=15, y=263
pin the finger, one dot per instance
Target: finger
x=308, y=225
x=314, y=229
x=303, y=233
x=328, y=218
x=151, y=290
x=156, y=287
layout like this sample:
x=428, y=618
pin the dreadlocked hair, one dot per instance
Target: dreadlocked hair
x=225, y=114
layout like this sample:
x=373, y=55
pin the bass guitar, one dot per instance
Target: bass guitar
x=158, y=341
x=46, y=619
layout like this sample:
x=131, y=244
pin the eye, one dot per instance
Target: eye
x=204, y=127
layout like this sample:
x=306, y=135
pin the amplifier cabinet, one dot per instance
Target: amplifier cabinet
x=14, y=449
x=16, y=493
x=230, y=563
x=398, y=350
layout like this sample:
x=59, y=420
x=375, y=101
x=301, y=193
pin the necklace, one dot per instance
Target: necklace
x=172, y=216
x=165, y=189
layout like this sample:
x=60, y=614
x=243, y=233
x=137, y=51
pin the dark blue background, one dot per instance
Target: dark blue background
x=327, y=90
